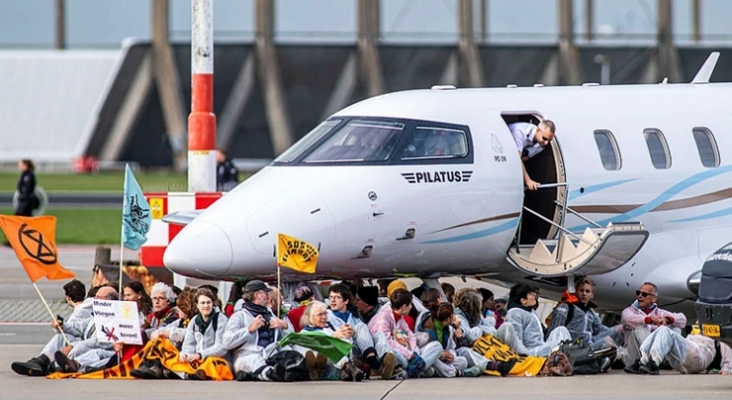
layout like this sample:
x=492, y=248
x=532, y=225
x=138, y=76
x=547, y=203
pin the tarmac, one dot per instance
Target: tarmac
x=21, y=338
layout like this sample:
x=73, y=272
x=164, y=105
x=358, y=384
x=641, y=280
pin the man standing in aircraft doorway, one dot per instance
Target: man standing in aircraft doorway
x=530, y=140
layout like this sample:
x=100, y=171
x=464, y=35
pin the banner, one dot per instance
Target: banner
x=34, y=241
x=494, y=349
x=215, y=368
x=117, y=321
x=327, y=345
x=136, y=218
x=296, y=254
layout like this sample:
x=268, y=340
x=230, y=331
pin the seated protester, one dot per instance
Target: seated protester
x=252, y=335
x=163, y=312
x=416, y=308
x=500, y=310
x=175, y=331
x=473, y=324
x=135, y=291
x=73, y=328
x=691, y=355
x=374, y=350
x=88, y=354
x=303, y=296
x=390, y=321
x=275, y=301
x=437, y=323
x=217, y=301
x=315, y=318
x=522, y=331
x=489, y=303
x=640, y=319
x=577, y=315
x=449, y=291
x=234, y=296
x=367, y=302
x=470, y=326
x=205, y=332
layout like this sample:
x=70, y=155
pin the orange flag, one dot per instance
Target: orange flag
x=34, y=242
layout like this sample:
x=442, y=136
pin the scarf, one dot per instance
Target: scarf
x=647, y=310
x=266, y=335
x=439, y=331
x=315, y=328
x=203, y=325
x=162, y=317
x=343, y=316
x=512, y=304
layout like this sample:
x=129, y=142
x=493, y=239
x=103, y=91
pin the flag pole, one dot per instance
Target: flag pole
x=122, y=235
x=53, y=317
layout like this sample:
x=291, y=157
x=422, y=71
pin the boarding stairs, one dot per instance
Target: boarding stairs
x=596, y=250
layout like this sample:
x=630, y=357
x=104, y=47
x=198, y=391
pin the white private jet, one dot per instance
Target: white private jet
x=428, y=183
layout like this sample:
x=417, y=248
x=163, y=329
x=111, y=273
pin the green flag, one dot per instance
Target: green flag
x=331, y=347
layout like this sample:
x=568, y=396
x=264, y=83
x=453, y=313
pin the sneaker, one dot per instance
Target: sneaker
x=633, y=368
x=428, y=373
x=473, y=371
x=650, y=368
x=504, y=368
x=310, y=365
x=67, y=365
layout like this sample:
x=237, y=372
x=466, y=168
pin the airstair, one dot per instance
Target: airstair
x=596, y=250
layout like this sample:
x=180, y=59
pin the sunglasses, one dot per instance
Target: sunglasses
x=644, y=294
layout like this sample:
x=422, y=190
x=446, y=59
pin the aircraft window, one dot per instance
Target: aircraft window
x=428, y=142
x=609, y=151
x=358, y=140
x=707, y=147
x=658, y=148
x=307, y=141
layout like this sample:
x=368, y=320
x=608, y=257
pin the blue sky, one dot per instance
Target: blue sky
x=105, y=23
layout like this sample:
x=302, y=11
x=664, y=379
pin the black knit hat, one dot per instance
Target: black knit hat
x=369, y=295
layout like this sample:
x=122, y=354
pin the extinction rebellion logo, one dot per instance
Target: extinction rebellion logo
x=437, y=176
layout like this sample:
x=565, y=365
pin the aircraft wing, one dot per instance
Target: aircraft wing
x=182, y=218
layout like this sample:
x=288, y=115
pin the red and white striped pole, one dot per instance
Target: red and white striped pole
x=202, y=121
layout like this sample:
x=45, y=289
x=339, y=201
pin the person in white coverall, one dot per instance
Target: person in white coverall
x=690, y=355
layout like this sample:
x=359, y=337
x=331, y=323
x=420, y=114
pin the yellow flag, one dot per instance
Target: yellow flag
x=296, y=254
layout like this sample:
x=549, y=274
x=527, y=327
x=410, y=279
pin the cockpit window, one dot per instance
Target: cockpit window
x=428, y=142
x=358, y=140
x=307, y=141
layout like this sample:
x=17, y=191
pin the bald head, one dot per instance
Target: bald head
x=107, y=293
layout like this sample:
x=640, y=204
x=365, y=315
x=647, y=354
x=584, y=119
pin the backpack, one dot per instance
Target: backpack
x=582, y=357
x=557, y=364
x=294, y=364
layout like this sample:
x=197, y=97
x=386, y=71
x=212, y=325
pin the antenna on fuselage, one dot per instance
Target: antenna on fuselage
x=705, y=72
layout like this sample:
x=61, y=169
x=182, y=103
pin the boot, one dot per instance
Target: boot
x=363, y=366
x=505, y=367
x=388, y=363
x=349, y=372
x=310, y=365
x=149, y=370
x=37, y=366
x=66, y=364
x=372, y=358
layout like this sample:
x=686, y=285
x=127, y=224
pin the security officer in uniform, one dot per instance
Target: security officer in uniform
x=227, y=175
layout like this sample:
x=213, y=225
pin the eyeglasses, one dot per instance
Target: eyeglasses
x=336, y=297
x=159, y=298
x=644, y=294
x=322, y=314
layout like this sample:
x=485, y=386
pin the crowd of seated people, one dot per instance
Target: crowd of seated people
x=398, y=336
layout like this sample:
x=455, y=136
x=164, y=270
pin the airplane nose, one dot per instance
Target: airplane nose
x=202, y=249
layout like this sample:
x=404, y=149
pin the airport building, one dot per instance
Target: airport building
x=109, y=81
